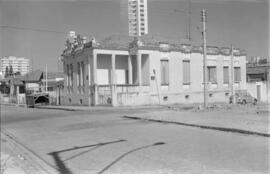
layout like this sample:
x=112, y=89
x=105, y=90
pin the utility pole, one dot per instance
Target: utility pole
x=232, y=76
x=46, y=82
x=188, y=20
x=203, y=13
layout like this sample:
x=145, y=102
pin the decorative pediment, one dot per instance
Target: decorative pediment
x=212, y=50
x=164, y=47
x=197, y=49
x=225, y=51
x=236, y=52
x=74, y=43
x=185, y=48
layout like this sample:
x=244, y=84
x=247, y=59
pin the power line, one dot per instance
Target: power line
x=32, y=29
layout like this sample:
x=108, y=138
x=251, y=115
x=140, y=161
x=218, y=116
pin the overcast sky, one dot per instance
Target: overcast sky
x=37, y=29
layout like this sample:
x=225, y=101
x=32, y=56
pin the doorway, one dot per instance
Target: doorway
x=259, y=92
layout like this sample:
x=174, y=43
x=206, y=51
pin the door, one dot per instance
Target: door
x=259, y=92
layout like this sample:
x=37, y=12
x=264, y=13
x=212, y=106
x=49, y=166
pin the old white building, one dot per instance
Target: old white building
x=126, y=71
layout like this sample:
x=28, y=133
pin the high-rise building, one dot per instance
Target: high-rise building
x=138, y=17
x=19, y=64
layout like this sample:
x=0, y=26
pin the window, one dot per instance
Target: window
x=68, y=78
x=164, y=69
x=79, y=74
x=237, y=74
x=211, y=74
x=186, y=72
x=71, y=75
x=82, y=74
x=225, y=74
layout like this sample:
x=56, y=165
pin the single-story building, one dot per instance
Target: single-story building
x=147, y=70
x=258, y=81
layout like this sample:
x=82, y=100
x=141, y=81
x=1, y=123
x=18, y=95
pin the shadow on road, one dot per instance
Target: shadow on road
x=61, y=167
x=127, y=153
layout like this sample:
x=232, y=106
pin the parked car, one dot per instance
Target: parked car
x=244, y=98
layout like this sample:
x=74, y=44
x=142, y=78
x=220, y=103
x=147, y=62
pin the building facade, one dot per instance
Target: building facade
x=145, y=71
x=19, y=64
x=138, y=17
x=258, y=81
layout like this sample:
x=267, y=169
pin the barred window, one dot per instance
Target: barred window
x=78, y=74
x=212, y=74
x=237, y=74
x=71, y=75
x=225, y=74
x=164, y=67
x=82, y=74
x=186, y=72
x=68, y=78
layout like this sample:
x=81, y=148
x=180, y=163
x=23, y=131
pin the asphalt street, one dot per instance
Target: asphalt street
x=78, y=142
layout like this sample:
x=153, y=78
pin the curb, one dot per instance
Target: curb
x=13, y=104
x=55, y=108
x=224, y=129
x=40, y=164
x=97, y=108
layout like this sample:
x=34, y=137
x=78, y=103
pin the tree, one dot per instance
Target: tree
x=6, y=72
x=17, y=73
x=10, y=70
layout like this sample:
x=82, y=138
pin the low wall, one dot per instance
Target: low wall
x=127, y=99
x=252, y=89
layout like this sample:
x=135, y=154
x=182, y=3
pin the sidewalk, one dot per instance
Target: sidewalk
x=241, y=119
x=16, y=159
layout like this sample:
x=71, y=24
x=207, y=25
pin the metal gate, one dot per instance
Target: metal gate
x=104, y=94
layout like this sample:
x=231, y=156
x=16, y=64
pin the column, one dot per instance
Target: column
x=129, y=70
x=89, y=80
x=17, y=94
x=113, y=69
x=139, y=69
x=89, y=71
x=95, y=95
x=139, y=72
x=113, y=82
x=94, y=68
x=81, y=73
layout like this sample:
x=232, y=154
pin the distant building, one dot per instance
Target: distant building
x=19, y=64
x=258, y=81
x=138, y=17
x=148, y=70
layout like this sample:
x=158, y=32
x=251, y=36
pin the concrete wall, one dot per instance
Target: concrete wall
x=252, y=89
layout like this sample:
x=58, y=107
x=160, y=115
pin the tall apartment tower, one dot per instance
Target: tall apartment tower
x=138, y=17
x=19, y=64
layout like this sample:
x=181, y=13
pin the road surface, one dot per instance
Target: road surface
x=78, y=142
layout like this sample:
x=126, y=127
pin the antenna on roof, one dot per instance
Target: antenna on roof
x=188, y=24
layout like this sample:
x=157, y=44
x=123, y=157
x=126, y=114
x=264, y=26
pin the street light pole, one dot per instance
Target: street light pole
x=46, y=82
x=232, y=76
x=203, y=13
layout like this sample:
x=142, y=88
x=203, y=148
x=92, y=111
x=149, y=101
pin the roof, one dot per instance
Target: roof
x=257, y=69
x=54, y=75
x=118, y=41
x=15, y=80
x=151, y=42
x=33, y=76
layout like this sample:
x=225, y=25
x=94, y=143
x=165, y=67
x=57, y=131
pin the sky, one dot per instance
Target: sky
x=38, y=29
